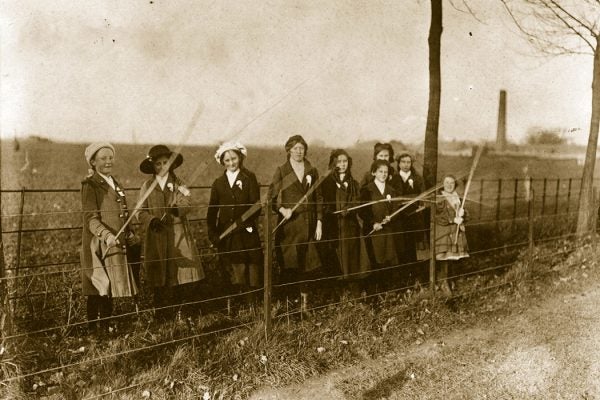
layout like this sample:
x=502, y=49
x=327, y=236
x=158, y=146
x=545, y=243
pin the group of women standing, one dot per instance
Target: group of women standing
x=328, y=222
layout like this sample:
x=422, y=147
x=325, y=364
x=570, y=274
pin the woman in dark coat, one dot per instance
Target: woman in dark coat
x=341, y=232
x=171, y=259
x=414, y=242
x=450, y=238
x=295, y=247
x=377, y=218
x=231, y=196
x=105, y=260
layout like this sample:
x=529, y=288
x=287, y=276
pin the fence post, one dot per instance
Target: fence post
x=515, y=194
x=498, y=202
x=6, y=320
x=267, y=270
x=432, y=274
x=569, y=196
x=556, y=196
x=544, y=196
x=19, y=233
x=480, y=199
x=531, y=220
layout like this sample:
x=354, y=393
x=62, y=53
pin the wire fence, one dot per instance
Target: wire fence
x=45, y=300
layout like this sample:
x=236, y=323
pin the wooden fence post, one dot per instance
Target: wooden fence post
x=432, y=274
x=6, y=315
x=531, y=220
x=480, y=199
x=569, y=195
x=515, y=194
x=267, y=290
x=498, y=202
x=556, y=199
x=544, y=196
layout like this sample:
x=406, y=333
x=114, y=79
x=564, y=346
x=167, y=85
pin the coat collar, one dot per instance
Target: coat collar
x=308, y=170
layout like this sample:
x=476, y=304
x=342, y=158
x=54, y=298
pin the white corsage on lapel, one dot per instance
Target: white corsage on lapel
x=411, y=183
x=170, y=186
x=388, y=197
x=238, y=183
x=308, y=180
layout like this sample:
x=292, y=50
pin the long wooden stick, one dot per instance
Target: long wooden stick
x=305, y=197
x=467, y=187
x=411, y=202
x=370, y=203
x=150, y=188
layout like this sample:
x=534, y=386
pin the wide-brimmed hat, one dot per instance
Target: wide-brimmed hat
x=147, y=166
x=227, y=146
x=93, y=148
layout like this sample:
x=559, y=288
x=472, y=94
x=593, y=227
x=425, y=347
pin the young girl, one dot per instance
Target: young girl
x=341, y=232
x=376, y=217
x=171, y=259
x=450, y=240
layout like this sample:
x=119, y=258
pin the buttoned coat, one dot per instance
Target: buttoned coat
x=104, y=212
x=294, y=240
x=171, y=257
x=227, y=205
x=342, y=231
x=412, y=223
x=384, y=242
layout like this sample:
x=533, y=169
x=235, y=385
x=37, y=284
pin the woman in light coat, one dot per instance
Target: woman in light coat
x=450, y=239
x=171, y=258
x=106, y=272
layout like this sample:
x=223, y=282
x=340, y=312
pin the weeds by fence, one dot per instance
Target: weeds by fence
x=47, y=306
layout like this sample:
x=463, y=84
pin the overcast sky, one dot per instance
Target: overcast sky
x=338, y=71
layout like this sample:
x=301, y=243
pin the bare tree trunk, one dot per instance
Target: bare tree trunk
x=5, y=306
x=435, y=89
x=587, y=179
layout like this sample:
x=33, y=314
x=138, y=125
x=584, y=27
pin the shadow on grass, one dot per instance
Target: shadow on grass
x=387, y=386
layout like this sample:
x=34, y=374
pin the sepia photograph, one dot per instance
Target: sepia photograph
x=299, y=199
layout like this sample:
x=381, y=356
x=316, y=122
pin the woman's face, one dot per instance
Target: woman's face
x=381, y=173
x=297, y=152
x=449, y=184
x=342, y=164
x=404, y=164
x=103, y=161
x=160, y=165
x=231, y=160
x=383, y=155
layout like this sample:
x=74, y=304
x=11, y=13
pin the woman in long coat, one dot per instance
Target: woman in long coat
x=450, y=239
x=341, y=231
x=414, y=242
x=232, y=215
x=171, y=257
x=377, y=218
x=295, y=246
x=106, y=272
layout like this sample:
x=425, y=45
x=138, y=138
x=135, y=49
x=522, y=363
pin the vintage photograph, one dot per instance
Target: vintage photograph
x=299, y=199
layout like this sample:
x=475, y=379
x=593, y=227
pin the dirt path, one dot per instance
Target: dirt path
x=549, y=351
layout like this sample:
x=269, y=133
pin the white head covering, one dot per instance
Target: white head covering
x=230, y=146
x=93, y=148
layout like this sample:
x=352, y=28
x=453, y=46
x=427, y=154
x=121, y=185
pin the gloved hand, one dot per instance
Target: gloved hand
x=111, y=240
x=156, y=225
x=461, y=212
x=458, y=220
